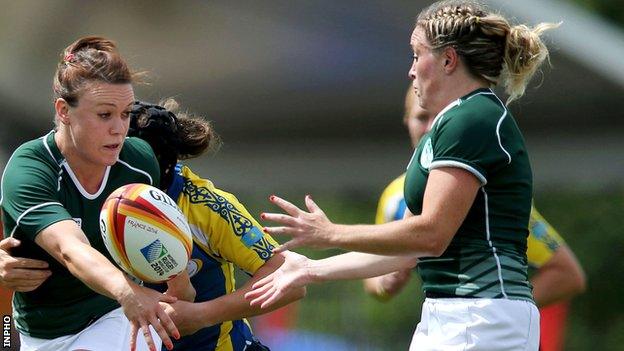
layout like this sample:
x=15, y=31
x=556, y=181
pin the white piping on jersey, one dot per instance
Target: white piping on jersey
x=32, y=209
x=79, y=186
x=412, y=158
x=500, y=143
x=500, y=121
x=489, y=240
x=457, y=164
x=444, y=110
x=138, y=170
x=44, y=139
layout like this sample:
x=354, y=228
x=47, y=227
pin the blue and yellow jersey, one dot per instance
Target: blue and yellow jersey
x=542, y=242
x=225, y=236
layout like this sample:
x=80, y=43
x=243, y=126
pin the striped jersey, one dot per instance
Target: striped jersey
x=225, y=236
x=39, y=189
x=487, y=256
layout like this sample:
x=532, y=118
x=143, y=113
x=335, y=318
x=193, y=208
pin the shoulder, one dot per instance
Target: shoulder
x=478, y=113
x=32, y=156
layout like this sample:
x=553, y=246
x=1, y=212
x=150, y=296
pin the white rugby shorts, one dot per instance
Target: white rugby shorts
x=461, y=324
x=109, y=332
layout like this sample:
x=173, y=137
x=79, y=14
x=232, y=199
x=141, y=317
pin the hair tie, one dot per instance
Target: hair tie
x=477, y=19
x=69, y=58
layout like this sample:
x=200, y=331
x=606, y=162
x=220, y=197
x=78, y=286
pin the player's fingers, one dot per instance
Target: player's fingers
x=258, y=301
x=285, y=205
x=134, y=331
x=19, y=274
x=8, y=243
x=290, y=231
x=263, y=281
x=311, y=205
x=160, y=330
x=289, y=245
x=274, y=297
x=168, y=323
x=279, y=218
x=257, y=291
x=30, y=263
x=147, y=335
x=167, y=298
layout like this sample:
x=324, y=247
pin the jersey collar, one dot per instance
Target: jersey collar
x=459, y=102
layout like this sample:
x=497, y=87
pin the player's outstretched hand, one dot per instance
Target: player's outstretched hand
x=293, y=273
x=141, y=306
x=309, y=229
x=17, y=273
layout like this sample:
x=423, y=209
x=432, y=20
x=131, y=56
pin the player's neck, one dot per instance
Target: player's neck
x=89, y=174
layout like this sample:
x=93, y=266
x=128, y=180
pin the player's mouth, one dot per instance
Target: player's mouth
x=113, y=147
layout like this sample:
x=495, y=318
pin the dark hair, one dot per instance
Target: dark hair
x=491, y=48
x=173, y=135
x=85, y=60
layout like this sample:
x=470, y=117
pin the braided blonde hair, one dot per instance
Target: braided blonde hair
x=489, y=46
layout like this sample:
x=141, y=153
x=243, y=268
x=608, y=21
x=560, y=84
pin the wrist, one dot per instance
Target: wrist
x=334, y=236
x=313, y=272
x=121, y=288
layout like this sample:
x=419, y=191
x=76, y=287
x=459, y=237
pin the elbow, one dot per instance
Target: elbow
x=436, y=245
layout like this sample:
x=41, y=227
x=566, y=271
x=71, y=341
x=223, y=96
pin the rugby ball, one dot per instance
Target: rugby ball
x=146, y=233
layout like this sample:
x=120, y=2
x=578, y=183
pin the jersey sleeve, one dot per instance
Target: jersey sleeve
x=467, y=141
x=29, y=195
x=543, y=240
x=233, y=233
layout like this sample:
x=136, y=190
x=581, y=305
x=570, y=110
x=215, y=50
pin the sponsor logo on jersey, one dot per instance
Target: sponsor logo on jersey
x=427, y=154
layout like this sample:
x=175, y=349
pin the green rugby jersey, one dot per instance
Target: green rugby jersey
x=39, y=189
x=487, y=256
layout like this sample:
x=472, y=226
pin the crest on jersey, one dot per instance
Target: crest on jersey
x=426, y=156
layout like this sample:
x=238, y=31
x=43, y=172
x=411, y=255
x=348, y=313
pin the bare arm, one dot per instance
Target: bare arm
x=448, y=197
x=191, y=317
x=298, y=271
x=69, y=245
x=560, y=278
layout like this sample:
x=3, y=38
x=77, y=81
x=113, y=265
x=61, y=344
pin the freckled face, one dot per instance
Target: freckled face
x=426, y=71
x=99, y=123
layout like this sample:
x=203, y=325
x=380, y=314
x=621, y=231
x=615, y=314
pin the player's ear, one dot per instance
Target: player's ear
x=61, y=108
x=449, y=59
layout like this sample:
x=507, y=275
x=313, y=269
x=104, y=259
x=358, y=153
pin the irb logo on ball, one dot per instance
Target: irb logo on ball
x=158, y=257
x=146, y=233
